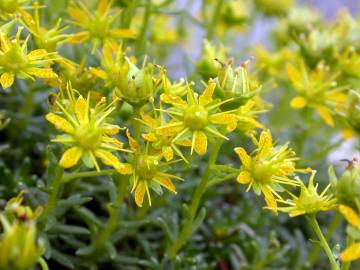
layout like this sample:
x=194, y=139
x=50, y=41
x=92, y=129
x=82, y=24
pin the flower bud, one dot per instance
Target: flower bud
x=19, y=249
x=135, y=86
x=207, y=65
x=347, y=187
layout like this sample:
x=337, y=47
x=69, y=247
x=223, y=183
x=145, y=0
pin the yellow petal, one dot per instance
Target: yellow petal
x=132, y=142
x=59, y=122
x=350, y=215
x=78, y=15
x=140, y=193
x=111, y=129
x=183, y=143
x=293, y=74
x=170, y=129
x=125, y=168
x=103, y=6
x=175, y=100
x=244, y=157
x=150, y=137
x=298, y=102
x=351, y=253
x=269, y=198
x=123, y=33
x=78, y=38
x=108, y=158
x=206, y=96
x=7, y=79
x=151, y=122
x=81, y=110
x=168, y=153
x=37, y=54
x=244, y=177
x=200, y=142
x=325, y=114
x=228, y=119
x=265, y=143
x=45, y=73
x=71, y=157
x=347, y=133
x=336, y=96
x=165, y=182
x=98, y=73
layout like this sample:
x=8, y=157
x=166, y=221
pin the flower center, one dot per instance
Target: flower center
x=14, y=59
x=196, y=117
x=262, y=172
x=146, y=166
x=88, y=136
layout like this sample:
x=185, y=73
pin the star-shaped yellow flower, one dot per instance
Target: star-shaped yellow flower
x=316, y=89
x=309, y=200
x=16, y=61
x=148, y=172
x=88, y=135
x=267, y=169
x=97, y=26
x=197, y=118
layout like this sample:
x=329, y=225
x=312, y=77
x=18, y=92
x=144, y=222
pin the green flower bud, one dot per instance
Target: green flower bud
x=235, y=12
x=235, y=83
x=347, y=187
x=207, y=65
x=135, y=86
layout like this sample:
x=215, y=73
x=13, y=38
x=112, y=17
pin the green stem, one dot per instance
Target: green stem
x=54, y=190
x=76, y=175
x=141, y=40
x=324, y=244
x=211, y=27
x=314, y=254
x=105, y=234
x=199, y=192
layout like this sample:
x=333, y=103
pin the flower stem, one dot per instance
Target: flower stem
x=141, y=41
x=122, y=184
x=76, y=175
x=200, y=190
x=324, y=244
x=314, y=254
x=54, y=190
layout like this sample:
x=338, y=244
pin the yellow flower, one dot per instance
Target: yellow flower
x=316, y=89
x=197, y=118
x=19, y=248
x=160, y=141
x=88, y=135
x=309, y=200
x=16, y=61
x=47, y=39
x=112, y=57
x=148, y=173
x=97, y=26
x=352, y=252
x=267, y=169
